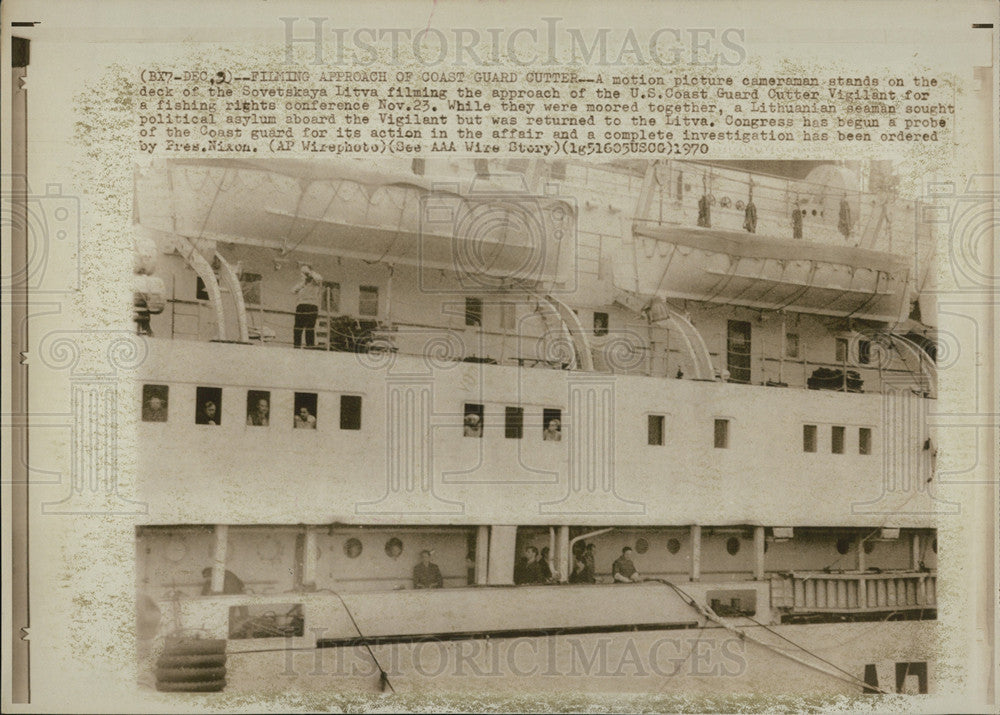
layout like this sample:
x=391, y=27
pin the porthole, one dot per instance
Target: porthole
x=673, y=545
x=353, y=548
x=733, y=545
x=393, y=548
x=176, y=549
x=843, y=545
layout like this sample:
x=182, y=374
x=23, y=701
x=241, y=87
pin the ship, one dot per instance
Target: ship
x=506, y=425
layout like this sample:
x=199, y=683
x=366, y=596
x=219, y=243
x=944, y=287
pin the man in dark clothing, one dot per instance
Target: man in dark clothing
x=231, y=585
x=530, y=569
x=426, y=574
x=623, y=569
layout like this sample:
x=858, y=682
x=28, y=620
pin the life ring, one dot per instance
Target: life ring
x=202, y=686
x=194, y=646
x=186, y=675
x=191, y=661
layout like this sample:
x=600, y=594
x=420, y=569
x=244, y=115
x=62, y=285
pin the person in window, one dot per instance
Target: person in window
x=552, y=431
x=260, y=414
x=426, y=574
x=473, y=425
x=582, y=573
x=155, y=410
x=623, y=570
x=546, y=565
x=529, y=570
x=232, y=584
x=590, y=558
x=309, y=288
x=209, y=414
x=304, y=419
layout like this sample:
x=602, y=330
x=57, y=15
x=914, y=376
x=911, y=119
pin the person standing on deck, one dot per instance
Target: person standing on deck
x=308, y=289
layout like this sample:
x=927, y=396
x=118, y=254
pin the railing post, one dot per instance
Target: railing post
x=695, y=552
x=758, y=553
x=482, y=554
x=219, y=558
x=309, y=560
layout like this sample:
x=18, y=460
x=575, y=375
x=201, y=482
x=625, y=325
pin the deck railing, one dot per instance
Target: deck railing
x=853, y=592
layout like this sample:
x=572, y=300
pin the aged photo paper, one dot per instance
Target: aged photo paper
x=499, y=356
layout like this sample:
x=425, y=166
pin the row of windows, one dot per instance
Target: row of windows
x=208, y=407
x=837, y=438
x=305, y=415
x=475, y=420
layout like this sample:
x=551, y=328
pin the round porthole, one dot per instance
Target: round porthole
x=673, y=545
x=393, y=548
x=843, y=545
x=869, y=546
x=353, y=548
x=176, y=549
x=733, y=545
x=641, y=546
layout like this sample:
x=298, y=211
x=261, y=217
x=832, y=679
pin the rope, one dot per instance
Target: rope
x=383, y=676
x=712, y=616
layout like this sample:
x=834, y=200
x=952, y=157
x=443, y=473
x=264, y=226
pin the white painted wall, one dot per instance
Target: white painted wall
x=231, y=473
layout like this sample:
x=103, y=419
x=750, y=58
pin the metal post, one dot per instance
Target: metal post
x=758, y=553
x=309, y=560
x=695, y=552
x=482, y=554
x=219, y=558
x=915, y=552
x=861, y=556
x=565, y=557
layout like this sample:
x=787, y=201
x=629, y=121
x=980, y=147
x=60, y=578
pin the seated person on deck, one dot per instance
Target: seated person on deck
x=426, y=574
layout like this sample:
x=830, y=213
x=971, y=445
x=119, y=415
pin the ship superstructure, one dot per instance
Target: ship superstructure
x=723, y=367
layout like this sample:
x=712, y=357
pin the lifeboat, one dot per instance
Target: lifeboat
x=488, y=226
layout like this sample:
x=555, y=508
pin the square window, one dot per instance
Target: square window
x=864, y=352
x=864, y=440
x=600, y=323
x=722, y=434
x=513, y=422
x=655, y=429
x=350, y=412
x=368, y=301
x=305, y=410
x=791, y=345
x=154, y=403
x=258, y=408
x=418, y=166
x=551, y=425
x=251, y=284
x=808, y=438
x=473, y=311
x=208, y=406
x=837, y=439
x=473, y=420
x=482, y=167
x=330, y=302
x=840, y=350
x=557, y=170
